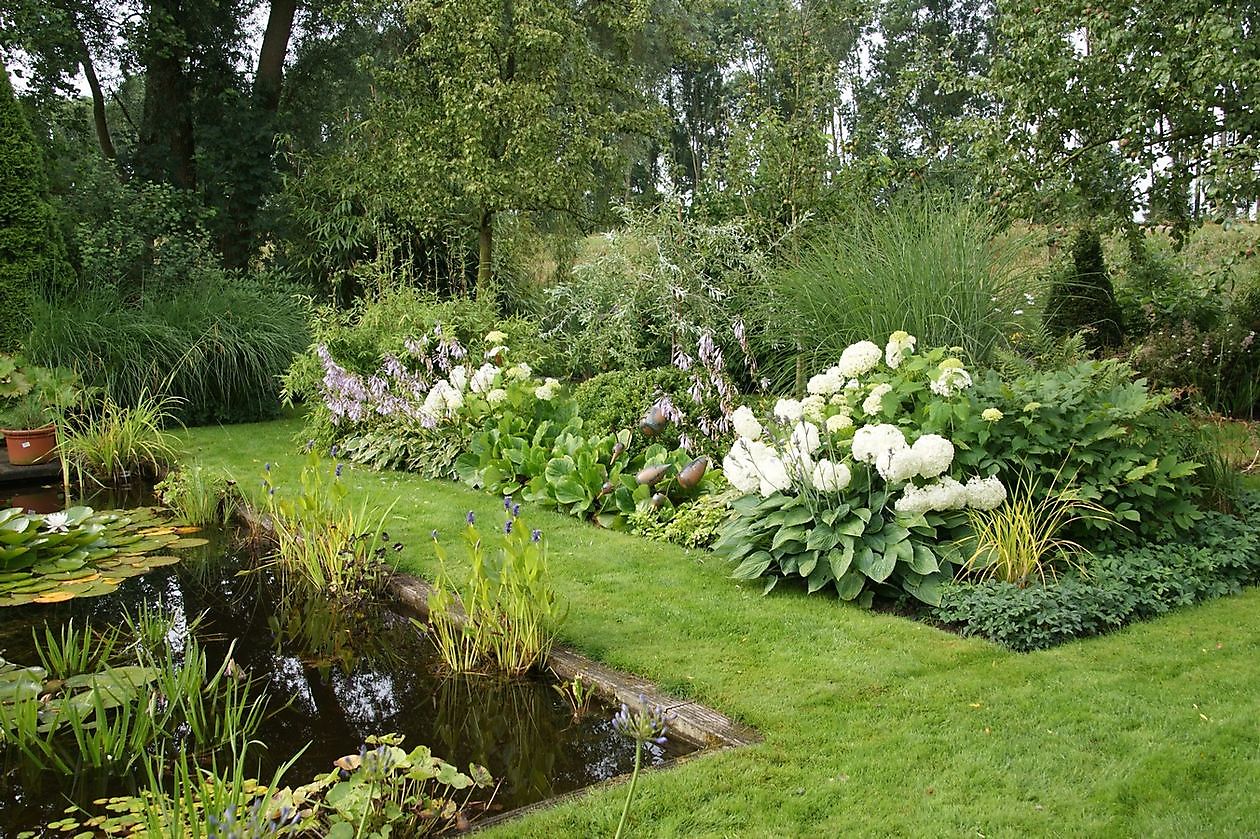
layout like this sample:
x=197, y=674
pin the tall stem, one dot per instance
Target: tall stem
x=634, y=779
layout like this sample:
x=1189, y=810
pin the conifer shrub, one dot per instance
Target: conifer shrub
x=1082, y=297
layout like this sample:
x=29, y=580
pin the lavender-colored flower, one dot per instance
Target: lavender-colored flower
x=470, y=518
x=310, y=444
x=644, y=724
x=516, y=510
x=507, y=527
x=337, y=471
x=433, y=534
x=507, y=502
x=266, y=467
x=535, y=536
x=333, y=451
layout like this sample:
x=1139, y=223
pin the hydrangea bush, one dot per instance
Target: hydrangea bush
x=858, y=484
x=867, y=480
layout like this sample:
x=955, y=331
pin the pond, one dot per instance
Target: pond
x=332, y=681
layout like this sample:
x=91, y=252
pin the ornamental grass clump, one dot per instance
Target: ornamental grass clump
x=505, y=618
x=113, y=442
x=1023, y=540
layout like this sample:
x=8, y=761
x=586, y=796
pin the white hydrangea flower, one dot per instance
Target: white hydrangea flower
x=830, y=477
x=935, y=454
x=805, y=437
x=773, y=473
x=951, y=378
x=459, y=379
x=740, y=468
x=520, y=372
x=900, y=344
x=826, y=383
x=483, y=380
x=745, y=423
x=839, y=422
x=991, y=415
x=875, y=401
x=985, y=493
x=858, y=359
x=497, y=352
x=788, y=410
x=897, y=465
x=442, y=400
x=496, y=396
x=547, y=390
x=496, y=337
x=870, y=441
x=852, y=384
x=942, y=494
x=812, y=407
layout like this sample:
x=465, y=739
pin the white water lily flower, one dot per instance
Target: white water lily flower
x=875, y=401
x=830, y=477
x=57, y=522
x=900, y=344
x=985, y=493
x=788, y=410
x=858, y=359
x=951, y=378
x=839, y=422
x=483, y=380
x=935, y=454
x=745, y=423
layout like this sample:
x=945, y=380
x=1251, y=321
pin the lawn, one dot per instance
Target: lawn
x=873, y=724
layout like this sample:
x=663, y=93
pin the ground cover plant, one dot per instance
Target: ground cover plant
x=866, y=700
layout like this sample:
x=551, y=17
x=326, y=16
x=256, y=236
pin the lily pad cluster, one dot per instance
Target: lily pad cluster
x=81, y=553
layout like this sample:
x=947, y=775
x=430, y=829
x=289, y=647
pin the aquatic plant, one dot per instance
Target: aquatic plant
x=80, y=553
x=643, y=724
x=324, y=547
x=114, y=443
x=506, y=617
x=109, y=718
x=578, y=694
x=197, y=495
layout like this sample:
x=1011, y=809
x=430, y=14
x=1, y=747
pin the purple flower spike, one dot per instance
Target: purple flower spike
x=535, y=536
x=507, y=502
x=434, y=534
x=516, y=510
x=338, y=472
x=271, y=490
x=332, y=452
x=470, y=518
x=507, y=527
x=266, y=467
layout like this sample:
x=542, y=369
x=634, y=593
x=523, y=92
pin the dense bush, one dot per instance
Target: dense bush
x=220, y=347
x=1081, y=294
x=1218, y=557
x=32, y=252
x=938, y=270
x=377, y=328
x=621, y=399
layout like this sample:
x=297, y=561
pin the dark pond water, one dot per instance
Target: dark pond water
x=370, y=672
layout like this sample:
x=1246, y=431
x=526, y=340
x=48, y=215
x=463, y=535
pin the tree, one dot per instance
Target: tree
x=31, y=248
x=500, y=105
x=1148, y=92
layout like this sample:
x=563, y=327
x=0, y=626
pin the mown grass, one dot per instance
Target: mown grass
x=874, y=725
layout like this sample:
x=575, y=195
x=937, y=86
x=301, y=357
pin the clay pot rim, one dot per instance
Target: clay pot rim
x=29, y=432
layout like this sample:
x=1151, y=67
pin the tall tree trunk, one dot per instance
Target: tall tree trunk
x=485, y=234
x=166, y=147
x=98, y=101
x=275, y=46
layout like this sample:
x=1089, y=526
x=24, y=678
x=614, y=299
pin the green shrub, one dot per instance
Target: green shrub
x=1081, y=295
x=1217, y=558
x=32, y=252
x=693, y=524
x=219, y=348
x=934, y=268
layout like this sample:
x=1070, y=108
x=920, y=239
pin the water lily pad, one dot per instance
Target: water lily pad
x=183, y=544
x=57, y=596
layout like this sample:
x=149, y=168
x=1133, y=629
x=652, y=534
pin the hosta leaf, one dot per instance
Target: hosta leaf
x=850, y=585
x=753, y=567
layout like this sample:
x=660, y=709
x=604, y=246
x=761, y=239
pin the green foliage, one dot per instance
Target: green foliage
x=505, y=618
x=113, y=443
x=935, y=268
x=1219, y=557
x=1093, y=427
x=218, y=347
x=197, y=494
x=325, y=548
x=692, y=524
x=108, y=719
x=1081, y=296
x=32, y=253
x=78, y=552
x=34, y=396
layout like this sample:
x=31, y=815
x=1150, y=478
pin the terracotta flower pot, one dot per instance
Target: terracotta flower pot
x=31, y=446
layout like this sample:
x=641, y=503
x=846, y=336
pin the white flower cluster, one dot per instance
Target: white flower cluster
x=900, y=344
x=484, y=380
x=885, y=447
x=547, y=390
x=945, y=493
x=875, y=399
x=951, y=378
x=444, y=398
x=858, y=359
x=745, y=423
